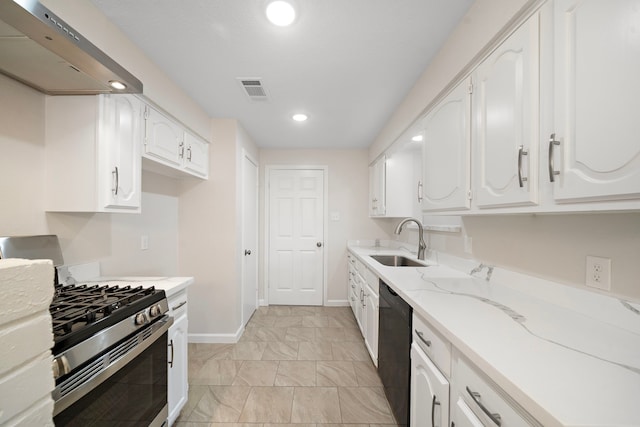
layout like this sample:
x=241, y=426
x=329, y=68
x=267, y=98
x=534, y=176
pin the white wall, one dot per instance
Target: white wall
x=348, y=195
x=209, y=245
x=548, y=246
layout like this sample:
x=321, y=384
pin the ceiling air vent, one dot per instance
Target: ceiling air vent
x=253, y=88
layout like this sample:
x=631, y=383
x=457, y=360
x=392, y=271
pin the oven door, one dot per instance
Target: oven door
x=130, y=391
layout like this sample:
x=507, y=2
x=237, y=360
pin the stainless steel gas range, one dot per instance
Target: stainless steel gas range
x=110, y=347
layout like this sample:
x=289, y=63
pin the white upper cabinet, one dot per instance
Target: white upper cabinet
x=174, y=150
x=163, y=138
x=506, y=123
x=446, y=152
x=377, y=182
x=121, y=133
x=595, y=154
x=196, y=157
x=93, y=153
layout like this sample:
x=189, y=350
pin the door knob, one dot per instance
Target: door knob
x=319, y=244
x=247, y=252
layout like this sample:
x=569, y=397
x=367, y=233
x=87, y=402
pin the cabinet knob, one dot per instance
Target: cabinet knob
x=319, y=244
x=247, y=252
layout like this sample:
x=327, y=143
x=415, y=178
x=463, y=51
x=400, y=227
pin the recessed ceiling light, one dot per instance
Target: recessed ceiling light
x=281, y=13
x=299, y=117
x=117, y=85
x=417, y=138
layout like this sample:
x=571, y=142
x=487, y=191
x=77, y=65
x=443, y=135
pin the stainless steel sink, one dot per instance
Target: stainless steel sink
x=398, y=261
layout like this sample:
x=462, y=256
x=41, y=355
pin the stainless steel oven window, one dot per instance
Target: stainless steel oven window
x=136, y=395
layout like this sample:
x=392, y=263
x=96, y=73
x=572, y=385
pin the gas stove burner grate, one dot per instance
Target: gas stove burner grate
x=78, y=311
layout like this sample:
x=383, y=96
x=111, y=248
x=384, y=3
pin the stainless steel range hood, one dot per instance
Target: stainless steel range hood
x=39, y=49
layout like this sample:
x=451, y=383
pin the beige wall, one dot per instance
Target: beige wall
x=209, y=242
x=348, y=195
x=548, y=246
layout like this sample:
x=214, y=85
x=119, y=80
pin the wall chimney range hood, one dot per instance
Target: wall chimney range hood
x=40, y=50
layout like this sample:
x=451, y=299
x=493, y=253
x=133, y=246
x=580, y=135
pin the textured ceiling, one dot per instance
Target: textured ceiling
x=347, y=64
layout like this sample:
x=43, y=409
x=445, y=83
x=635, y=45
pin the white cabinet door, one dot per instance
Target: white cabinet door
x=178, y=386
x=429, y=392
x=163, y=138
x=371, y=309
x=196, y=158
x=463, y=416
x=119, y=139
x=377, y=177
x=359, y=300
x=446, y=152
x=597, y=99
x=505, y=111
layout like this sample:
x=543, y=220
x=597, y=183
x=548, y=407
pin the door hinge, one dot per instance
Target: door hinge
x=470, y=88
x=146, y=113
x=470, y=195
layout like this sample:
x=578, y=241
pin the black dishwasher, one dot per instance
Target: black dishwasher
x=394, y=346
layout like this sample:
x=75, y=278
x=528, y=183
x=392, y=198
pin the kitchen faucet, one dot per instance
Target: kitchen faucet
x=421, y=244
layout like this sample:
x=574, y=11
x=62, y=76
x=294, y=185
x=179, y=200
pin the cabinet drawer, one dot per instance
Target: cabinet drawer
x=488, y=402
x=436, y=347
x=372, y=281
x=178, y=304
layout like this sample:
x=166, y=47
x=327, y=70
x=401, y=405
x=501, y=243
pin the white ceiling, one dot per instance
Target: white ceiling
x=347, y=64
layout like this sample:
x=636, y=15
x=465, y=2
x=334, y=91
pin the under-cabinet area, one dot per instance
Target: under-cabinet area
x=489, y=348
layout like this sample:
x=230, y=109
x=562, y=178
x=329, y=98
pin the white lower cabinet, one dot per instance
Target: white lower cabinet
x=430, y=369
x=178, y=385
x=463, y=416
x=478, y=398
x=429, y=392
x=371, y=308
x=364, y=301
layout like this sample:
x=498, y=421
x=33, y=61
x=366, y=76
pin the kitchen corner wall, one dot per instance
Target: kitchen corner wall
x=348, y=196
x=209, y=249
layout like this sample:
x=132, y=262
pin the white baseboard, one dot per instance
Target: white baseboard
x=337, y=303
x=262, y=303
x=216, y=338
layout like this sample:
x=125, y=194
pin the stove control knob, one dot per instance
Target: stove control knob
x=141, y=318
x=155, y=310
x=60, y=366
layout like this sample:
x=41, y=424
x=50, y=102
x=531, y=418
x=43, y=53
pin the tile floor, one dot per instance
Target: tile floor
x=294, y=365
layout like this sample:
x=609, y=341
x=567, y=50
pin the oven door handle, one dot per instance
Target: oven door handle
x=75, y=393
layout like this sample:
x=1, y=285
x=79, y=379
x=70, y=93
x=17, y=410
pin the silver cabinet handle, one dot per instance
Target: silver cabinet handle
x=552, y=171
x=421, y=336
x=189, y=153
x=171, y=346
x=521, y=152
x=495, y=417
x=319, y=244
x=247, y=252
x=181, y=148
x=116, y=178
x=434, y=402
x=178, y=306
x=419, y=191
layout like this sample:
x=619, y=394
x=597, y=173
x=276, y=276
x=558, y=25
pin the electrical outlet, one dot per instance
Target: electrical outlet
x=599, y=273
x=144, y=242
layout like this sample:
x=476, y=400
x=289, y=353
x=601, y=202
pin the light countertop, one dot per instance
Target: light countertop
x=562, y=363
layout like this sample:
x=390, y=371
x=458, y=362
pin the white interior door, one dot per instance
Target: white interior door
x=296, y=236
x=249, y=237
